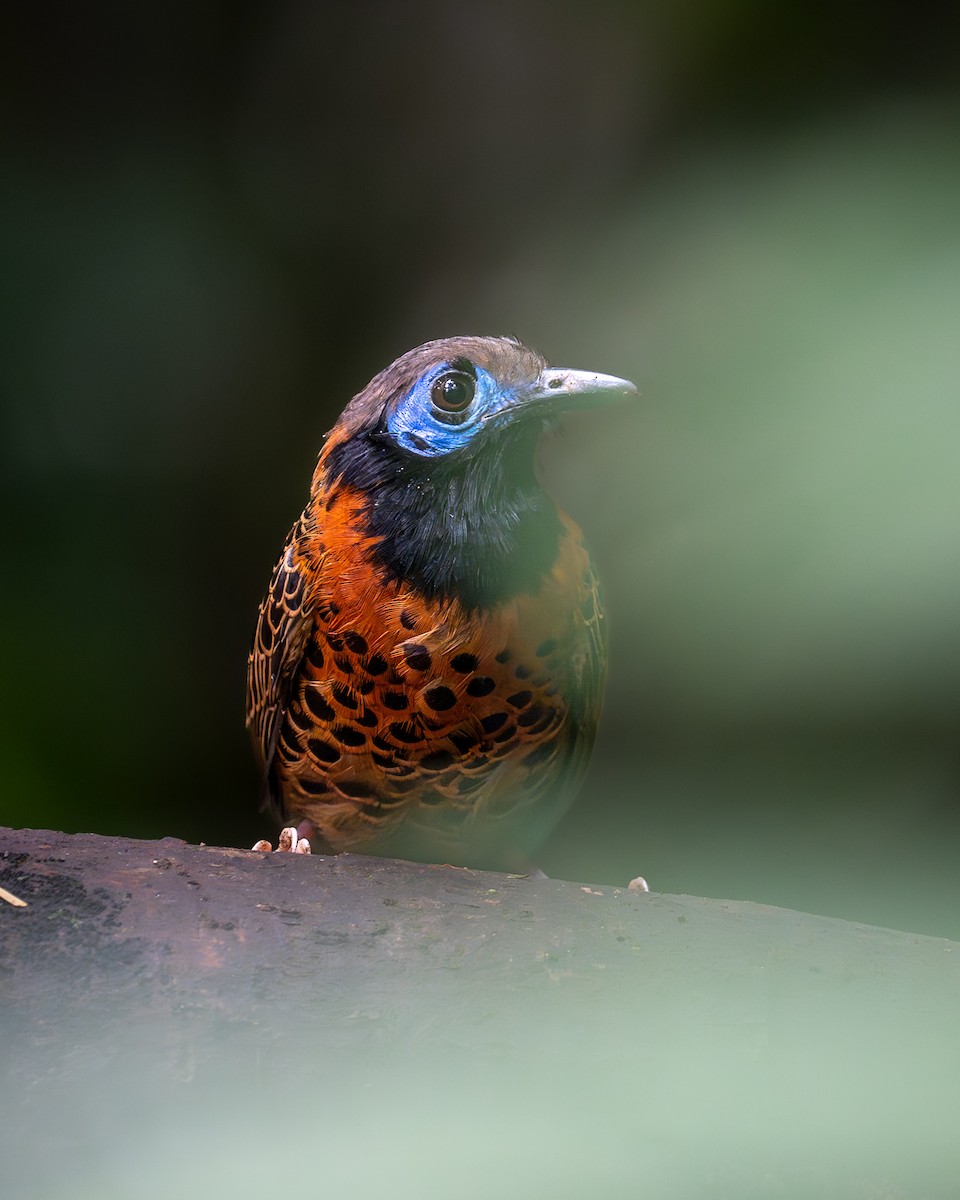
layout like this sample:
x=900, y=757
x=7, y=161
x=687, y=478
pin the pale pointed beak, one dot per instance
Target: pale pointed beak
x=564, y=390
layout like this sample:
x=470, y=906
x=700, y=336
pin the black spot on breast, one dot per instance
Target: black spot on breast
x=404, y=733
x=476, y=764
x=546, y=647
x=394, y=700
x=543, y=722
x=357, y=643
x=399, y=790
x=464, y=663
x=347, y=736
x=480, y=685
x=418, y=657
x=531, y=715
x=317, y=706
x=314, y=787
x=344, y=665
x=463, y=740
x=522, y=672
x=408, y=620
x=328, y=610
x=343, y=695
x=315, y=656
x=504, y=656
x=367, y=719
x=438, y=760
x=506, y=735
x=432, y=797
x=356, y=791
x=334, y=641
x=439, y=698
x=520, y=699
x=466, y=785
x=493, y=722
x=375, y=665
x=301, y=720
x=322, y=751
x=400, y=774
x=364, y=686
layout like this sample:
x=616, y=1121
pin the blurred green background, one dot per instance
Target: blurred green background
x=219, y=220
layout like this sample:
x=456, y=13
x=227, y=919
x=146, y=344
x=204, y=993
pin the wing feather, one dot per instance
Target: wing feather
x=282, y=633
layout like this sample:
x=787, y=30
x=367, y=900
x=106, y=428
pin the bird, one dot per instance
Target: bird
x=427, y=667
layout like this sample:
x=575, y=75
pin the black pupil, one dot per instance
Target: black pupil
x=452, y=393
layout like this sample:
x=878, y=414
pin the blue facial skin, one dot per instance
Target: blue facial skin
x=415, y=425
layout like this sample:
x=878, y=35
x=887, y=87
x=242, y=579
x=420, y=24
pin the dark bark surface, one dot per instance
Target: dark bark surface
x=241, y=1021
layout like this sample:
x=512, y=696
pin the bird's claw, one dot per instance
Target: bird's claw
x=289, y=842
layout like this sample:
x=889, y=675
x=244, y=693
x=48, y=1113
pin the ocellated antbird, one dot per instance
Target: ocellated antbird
x=428, y=662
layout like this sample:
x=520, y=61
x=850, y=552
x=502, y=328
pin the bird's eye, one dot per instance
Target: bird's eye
x=452, y=392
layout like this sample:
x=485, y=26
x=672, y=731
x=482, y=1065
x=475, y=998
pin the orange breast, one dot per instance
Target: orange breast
x=428, y=732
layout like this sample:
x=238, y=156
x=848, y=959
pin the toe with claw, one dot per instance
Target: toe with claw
x=290, y=841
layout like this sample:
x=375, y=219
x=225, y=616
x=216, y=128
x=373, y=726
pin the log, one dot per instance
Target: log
x=197, y=1021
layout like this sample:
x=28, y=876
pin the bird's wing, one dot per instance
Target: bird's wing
x=284, y=626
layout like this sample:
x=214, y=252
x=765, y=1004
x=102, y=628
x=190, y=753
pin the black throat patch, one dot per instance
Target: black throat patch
x=479, y=529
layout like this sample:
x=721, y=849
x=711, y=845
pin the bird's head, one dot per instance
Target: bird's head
x=457, y=397
x=442, y=446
